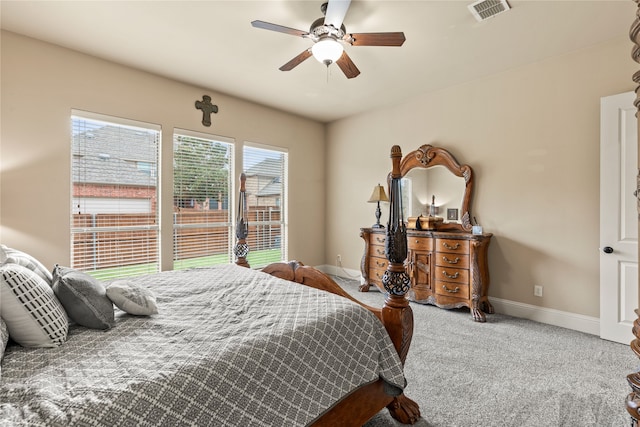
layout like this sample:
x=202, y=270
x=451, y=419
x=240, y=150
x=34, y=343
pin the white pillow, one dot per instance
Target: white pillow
x=33, y=314
x=132, y=298
x=24, y=259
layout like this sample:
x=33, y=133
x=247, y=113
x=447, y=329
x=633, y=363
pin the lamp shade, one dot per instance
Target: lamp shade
x=327, y=50
x=378, y=195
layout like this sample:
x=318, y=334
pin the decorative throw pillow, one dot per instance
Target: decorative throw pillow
x=83, y=297
x=21, y=258
x=132, y=298
x=32, y=313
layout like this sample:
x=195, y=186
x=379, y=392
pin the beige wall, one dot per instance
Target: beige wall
x=40, y=85
x=532, y=136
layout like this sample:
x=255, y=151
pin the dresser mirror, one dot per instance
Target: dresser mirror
x=432, y=174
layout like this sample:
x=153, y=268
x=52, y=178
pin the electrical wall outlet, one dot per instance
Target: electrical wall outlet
x=339, y=260
x=537, y=290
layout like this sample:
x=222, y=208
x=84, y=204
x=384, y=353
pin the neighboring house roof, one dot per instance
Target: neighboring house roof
x=114, y=155
x=269, y=167
x=274, y=188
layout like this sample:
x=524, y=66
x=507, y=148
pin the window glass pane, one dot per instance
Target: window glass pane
x=114, y=215
x=266, y=187
x=201, y=197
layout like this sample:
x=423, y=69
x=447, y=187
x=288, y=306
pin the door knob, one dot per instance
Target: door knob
x=607, y=250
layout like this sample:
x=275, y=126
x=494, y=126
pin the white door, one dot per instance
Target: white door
x=618, y=217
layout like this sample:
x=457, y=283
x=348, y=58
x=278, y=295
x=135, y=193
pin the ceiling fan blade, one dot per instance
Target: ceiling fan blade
x=278, y=28
x=296, y=61
x=347, y=66
x=336, y=11
x=377, y=39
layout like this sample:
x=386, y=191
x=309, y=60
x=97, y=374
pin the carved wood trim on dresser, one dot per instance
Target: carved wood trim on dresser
x=447, y=269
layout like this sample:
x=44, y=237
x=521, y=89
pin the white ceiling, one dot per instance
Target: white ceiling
x=212, y=44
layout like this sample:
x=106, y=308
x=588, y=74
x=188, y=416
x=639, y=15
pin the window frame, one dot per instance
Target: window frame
x=283, y=223
x=229, y=224
x=154, y=257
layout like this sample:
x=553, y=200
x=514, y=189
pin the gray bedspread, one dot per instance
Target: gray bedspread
x=229, y=346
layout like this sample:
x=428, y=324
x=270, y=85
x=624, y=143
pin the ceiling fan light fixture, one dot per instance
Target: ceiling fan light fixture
x=327, y=50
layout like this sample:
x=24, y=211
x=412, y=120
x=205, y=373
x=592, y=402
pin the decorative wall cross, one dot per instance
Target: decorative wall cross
x=207, y=108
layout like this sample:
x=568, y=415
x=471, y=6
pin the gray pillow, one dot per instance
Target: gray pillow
x=83, y=297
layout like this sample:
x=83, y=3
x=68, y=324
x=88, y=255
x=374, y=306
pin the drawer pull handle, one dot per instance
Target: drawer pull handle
x=451, y=248
x=451, y=291
x=451, y=276
x=451, y=261
x=380, y=263
x=379, y=251
x=380, y=240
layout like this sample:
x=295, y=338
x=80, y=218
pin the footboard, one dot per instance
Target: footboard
x=295, y=271
x=365, y=402
x=395, y=315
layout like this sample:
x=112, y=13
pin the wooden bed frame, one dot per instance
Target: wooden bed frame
x=362, y=404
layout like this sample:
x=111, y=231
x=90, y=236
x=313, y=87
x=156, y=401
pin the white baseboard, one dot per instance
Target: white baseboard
x=341, y=272
x=550, y=316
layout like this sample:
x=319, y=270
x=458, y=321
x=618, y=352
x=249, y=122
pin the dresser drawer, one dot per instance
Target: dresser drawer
x=377, y=239
x=375, y=275
x=378, y=263
x=420, y=243
x=452, y=246
x=377, y=251
x=453, y=275
x=446, y=259
x=456, y=290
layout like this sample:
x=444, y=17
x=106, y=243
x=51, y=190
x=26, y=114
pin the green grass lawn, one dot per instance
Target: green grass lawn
x=256, y=259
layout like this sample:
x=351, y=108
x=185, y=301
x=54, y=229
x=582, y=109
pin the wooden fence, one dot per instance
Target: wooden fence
x=111, y=240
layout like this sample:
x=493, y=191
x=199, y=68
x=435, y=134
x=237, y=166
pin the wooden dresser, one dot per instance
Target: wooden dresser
x=447, y=268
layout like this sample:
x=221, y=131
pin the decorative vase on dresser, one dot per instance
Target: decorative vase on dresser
x=447, y=263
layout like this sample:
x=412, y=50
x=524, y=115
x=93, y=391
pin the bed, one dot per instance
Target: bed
x=225, y=345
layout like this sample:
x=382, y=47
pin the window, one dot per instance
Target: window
x=202, y=193
x=115, y=198
x=114, y=212
x=266, y=185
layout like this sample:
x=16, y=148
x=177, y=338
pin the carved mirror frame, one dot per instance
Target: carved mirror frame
x=427, y=156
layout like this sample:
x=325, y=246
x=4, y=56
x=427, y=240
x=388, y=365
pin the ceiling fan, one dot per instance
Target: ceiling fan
x=329, y=37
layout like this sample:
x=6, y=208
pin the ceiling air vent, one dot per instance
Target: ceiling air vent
x=485, y=9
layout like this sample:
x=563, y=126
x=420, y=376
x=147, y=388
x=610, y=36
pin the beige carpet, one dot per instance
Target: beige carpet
x=508, y=371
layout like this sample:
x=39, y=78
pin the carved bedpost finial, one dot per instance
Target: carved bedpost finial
x=395, y=279
x=397, y=315
x=241, y=248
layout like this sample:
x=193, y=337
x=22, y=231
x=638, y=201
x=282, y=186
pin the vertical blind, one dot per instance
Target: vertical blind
x=202, y=198
x=266, y=191
x=114, y=212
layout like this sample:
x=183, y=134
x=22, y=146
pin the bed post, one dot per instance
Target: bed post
x=397, y=315
x=241, y=248
x=633, y=399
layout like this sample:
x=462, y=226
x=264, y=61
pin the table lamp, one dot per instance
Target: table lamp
x=378, y=196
